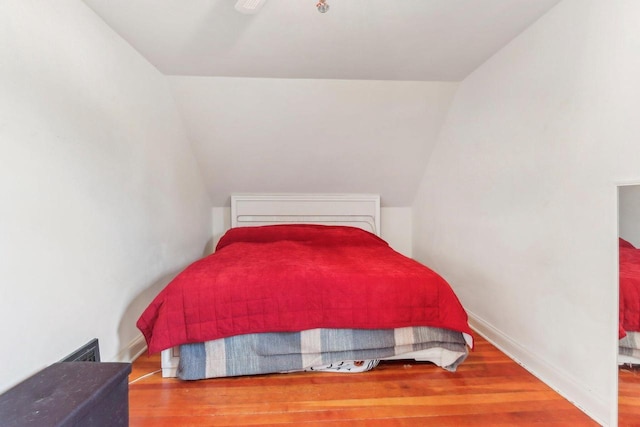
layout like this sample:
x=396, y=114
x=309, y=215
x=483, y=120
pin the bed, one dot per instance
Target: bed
x=629, y=323
x=303, y=283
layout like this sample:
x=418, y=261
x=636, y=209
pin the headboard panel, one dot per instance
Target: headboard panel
x=355, y=210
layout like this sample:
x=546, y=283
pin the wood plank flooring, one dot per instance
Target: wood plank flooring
x=629, y=396
x=488, y=389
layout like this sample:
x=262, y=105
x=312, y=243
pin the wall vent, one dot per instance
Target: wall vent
x=90, y=352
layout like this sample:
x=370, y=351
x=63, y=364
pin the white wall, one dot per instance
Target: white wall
x=322, y=136
x=517, y=208
x=629, y=213
x=100, y=197
x=396, y=227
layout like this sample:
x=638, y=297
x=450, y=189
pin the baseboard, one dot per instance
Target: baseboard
x=559, y=381
x=133, y=350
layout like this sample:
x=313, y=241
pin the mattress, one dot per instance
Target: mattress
x=337, y=350
x=629, y=346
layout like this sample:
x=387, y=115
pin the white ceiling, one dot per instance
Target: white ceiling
x=422, y=40
x=347, y=101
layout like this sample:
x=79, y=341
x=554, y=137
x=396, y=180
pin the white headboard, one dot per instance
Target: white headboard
x=356, y=210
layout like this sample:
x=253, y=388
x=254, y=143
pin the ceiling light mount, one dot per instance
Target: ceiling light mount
x=322, y=6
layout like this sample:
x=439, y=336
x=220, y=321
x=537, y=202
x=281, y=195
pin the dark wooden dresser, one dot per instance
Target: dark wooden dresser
x=90, y=394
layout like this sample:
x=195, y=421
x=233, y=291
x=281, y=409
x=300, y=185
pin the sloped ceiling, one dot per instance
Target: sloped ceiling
x=299, y=135
x=290, y=99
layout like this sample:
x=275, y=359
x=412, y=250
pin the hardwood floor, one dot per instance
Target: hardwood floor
x=488, y=389
x=629, y=396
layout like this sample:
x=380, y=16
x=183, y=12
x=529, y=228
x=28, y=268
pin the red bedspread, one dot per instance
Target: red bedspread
x=629, y=288
x=297, y=277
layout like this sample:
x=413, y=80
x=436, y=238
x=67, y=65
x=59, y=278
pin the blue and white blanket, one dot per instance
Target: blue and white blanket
x=344, y=350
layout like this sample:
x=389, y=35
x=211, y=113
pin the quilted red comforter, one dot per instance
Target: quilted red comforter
x=629, y=288
x=287, y=278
